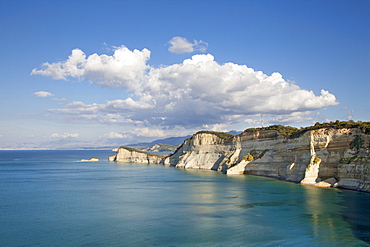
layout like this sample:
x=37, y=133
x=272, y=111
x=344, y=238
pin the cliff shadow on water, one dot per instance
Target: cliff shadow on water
x=356, y=212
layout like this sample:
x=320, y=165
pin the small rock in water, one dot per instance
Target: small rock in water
x=90, y=160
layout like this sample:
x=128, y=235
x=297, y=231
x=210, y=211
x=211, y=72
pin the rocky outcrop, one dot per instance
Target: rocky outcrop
x=131, y=155
x=320, y=157
x=324, y=157
x=90, y=160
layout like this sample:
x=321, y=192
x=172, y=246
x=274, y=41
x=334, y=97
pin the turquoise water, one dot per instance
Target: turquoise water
x=48, y=199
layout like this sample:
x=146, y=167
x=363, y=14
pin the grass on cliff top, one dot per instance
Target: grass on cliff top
x=139, y=151
x=292, y=132
x=221, y=135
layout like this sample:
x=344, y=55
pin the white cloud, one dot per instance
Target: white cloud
x=78, y=108
x=56, y=99
x=127, y=104
x=197, y=92
x=43, y=94
x=114, y=135
x=350, y=115
x=181, y=45
x=124, y=68
x=216, y=127
x=65, y=135
x=294, y=117
x=270, y=119
x=251, y=121
x=146, y=132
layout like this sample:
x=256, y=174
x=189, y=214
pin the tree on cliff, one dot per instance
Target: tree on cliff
x=357, y=143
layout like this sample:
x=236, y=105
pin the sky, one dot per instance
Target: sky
x=110, y=73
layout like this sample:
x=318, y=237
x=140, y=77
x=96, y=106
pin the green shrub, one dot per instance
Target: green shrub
x=248, y=157
x=221, y=135
x=316, y=160
x=291, y=132
x=357, y=143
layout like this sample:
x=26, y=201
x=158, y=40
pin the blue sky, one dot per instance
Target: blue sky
x=108, y=73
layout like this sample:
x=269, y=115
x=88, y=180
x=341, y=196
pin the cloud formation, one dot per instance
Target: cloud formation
x=114, y=135
x=123, y=69
x=181, y=45
x=65, y=135
x=43, y=94
x=197, y=92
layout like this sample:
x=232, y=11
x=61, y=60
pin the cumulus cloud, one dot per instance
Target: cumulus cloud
x=114, y=135
x=216, y=127
x=125, y=68
x=43, y=94
x=197, y=92
x=65, y=135
x=181, y=45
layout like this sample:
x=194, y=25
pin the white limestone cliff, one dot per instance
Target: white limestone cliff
x=319, y=157
x=130, y=155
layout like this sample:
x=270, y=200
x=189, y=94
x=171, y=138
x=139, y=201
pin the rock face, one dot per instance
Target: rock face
x=202, y=151
x=321, y=157
x=130, y=155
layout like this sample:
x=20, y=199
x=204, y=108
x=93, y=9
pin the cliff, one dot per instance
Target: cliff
x=326, y=157
x=131, y=155
x=320, y=155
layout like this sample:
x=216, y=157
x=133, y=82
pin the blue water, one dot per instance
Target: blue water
x=48, y=199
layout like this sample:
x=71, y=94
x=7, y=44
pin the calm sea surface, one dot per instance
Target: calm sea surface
x=48, y=199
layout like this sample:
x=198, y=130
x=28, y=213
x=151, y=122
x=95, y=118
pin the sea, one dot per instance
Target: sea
x=48, y=198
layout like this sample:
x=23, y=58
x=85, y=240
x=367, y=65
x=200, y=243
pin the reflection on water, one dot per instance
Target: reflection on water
x=55, y=201
x=281, y=210
x=324, y=207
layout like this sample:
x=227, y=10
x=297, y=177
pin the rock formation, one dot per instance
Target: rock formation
x=90, y=160
x=321, y=157
x=325, y=157
x=131, y=155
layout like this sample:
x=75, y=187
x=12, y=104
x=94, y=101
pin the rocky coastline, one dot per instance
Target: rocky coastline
x=322, y=156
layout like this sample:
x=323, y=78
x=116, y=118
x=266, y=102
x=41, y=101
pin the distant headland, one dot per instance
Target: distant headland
x=334, y=154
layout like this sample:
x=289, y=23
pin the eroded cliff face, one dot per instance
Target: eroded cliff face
x=127, y=155
x=320, y=157
x=201, y=151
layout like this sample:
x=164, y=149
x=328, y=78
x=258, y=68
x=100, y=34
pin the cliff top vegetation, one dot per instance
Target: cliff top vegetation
x=292, y=132
x=222, y=135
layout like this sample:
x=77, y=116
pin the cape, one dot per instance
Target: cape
x=320, y=155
